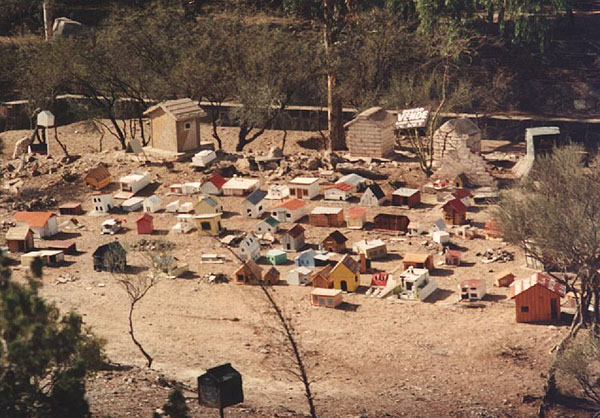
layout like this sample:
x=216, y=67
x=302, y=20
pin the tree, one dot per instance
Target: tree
x=176, y=406
x=44, y=355
x=551, y=216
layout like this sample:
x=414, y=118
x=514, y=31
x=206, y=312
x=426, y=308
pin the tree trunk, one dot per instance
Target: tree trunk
x=335, y=121
x=47, y=7
x=118, y=130
x=135, y=341
x=64, y=148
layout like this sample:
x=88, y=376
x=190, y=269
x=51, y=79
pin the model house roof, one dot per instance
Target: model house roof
x=542, y=279
x=440, y=224
x=274, y=252
x=296, y=231
x=145, y=217
x=253, y=268
x=207, y=216
x=272, y=221
x=180, y=109
x=340, y=186
x=376, y=190
x=217, y=180
x=324, y=271
x=291, y=204
x=305, y=181
x=323, y=210
x=70, y=205
x=459, y=127
x=133, y=177
x=319, y=291
x=379, y=279
x=111, y=246
x=337, y=237
x=18, y=233
x=412, y=274
x=99, y=173
x=153, y=199
x=405, y=192
x=416, y=257
x=376, y=115
x=352, y=178
x=461, y=193
x=34, y=219
x=372, y=243
x=212, y=202
x=456, y=205
x=306, y=253
x=256, y=197
x=356, y=212
x=350, y=264
x=454, y=253
x=240, y=183
x=392, y=216
x=305, y=271
x=472, y=283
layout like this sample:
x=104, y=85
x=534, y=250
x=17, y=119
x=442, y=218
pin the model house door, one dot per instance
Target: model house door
x=554, y=308
x=344, y=286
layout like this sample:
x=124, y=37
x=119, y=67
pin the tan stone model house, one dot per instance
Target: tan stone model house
x=175, y=125
x=371, y=133
x=454, y=133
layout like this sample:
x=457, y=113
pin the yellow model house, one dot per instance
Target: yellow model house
x=345, y=275
x=208, y=224
x=208, y=205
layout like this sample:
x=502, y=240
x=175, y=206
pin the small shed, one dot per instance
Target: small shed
x=471, y=290
x=330, y=298
x=220, y=387
x=43, y=224
x=455, y=212
x=271, y=277
x=321, y=278
x=334, y=242
x=504, y=278
x=152, y=204
x=208, y=224
x=293, y=239
x=391, y=222
x=304, y=187
x=254, y=205
x=276, y=257
x=418, y=261
x=537, y=298
x=175, y=125
x=406, y=197
x=50, y=258
x=373, y=196
x=356, y=218
x=371, y=133
x=214, y=185
x=248, y=273
x=326, y=216
x=270, y=225
x=70, y=208
x=145, y=224
x=300, y=276
x=97, y=178
x=19, y=239
x=453, y=257
x=208, y=205
x=441, y=237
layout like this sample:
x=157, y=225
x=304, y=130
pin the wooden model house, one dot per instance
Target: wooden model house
x=373, y=196
x=110, y=257
x=238, y=186
x=371, y=249
x=270, y=225
x=97, y=178
x=329, y=298
x=345, y=275
x=453, y=257
x=248, y=273
x=214, y=185
x=275, y=257
x=406, y=197
x=293, y=239
x=305, y=259
x=321, y=278
x=418, y=261
x=289, y=211
x=145, y=224
x=537, y=298
x=70, y=208
x=175, y=125
x=465, y=196
x=356, y=218
x=271, y=277
x=300, y=276
x=152, y=204
x=249, y=248
x=326, y=216
x=455, y=212
x=208, y=224
x=304, y=187
x=43, y=224
x=391, y=222
x=19, y=239
x=338, y=191
x=334, y=242
x=504, y=278
x=208, y=205
x=254, y=205
x=471, y=290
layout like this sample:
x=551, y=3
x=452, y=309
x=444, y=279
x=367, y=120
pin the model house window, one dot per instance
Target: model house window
x=187, y=125
x=205, y=226
x=525, y=309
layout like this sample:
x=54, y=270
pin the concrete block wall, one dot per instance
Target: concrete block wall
x=370, y=139
x=454, y=141
x=462, y=161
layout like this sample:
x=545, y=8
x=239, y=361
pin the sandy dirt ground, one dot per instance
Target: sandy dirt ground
x=373, y=358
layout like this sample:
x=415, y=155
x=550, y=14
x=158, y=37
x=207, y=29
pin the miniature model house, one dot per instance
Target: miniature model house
x=203, y=158
x=172, y=207
x=134, y=182
x=238, y=186
x=455, y=212
x=208, y=224
x=334, y=242
x=19, y=239
x=329, y=298
x=406, y=197
x=356, y=218
x=102, y=202
x=278, y=192
x=271, y=277
x=145, y=224
x=293, y=239
x=254, y=205
x=110, y=227
x=289, y=211
x=338, y=191
x=300, y=276
x=185, y=223
x=345, y=275
x=43, y=224
x=416, y=284
x=471, y=290
x=456, y=134
x=453, y=257
x=371, y=133
x=248, y=273
x=305, y=259
x=276, y=257
x=214, y=185
x=270, y=225
x=110, y=257
x=132, y=204
x=373, y=196
x=208, y=205
x=321, y=278
x=391, y=222
x=372, y=249
x=326, y=216
x=175, y=125
x=249, y=248
x=97, y=178
x=537, y=298
x=152, y=204
x=304, y=187
x=504, y=278
x=418, y=261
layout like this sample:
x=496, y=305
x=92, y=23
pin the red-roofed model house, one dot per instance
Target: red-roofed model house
x=213, y=185
x=537, y=298
x=471, y=290
x=455, y=212
x=43, y=224
x=289, y=211
x=145, y=224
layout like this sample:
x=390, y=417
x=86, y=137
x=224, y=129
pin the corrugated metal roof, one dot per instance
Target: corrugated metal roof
x=519, y=286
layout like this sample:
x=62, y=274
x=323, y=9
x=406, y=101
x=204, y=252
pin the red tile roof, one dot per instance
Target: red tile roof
x=473, y=283
x=217, y=180
x=455, y=204
x=34, y=219
x=340, y=186
x=291, y=204
x=541, y=279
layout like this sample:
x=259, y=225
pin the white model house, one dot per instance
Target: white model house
x=102, y=202
x=42, y=224
x=270, y=225
x=441, y=237
x=293, y=239
x=249, y=248
x=299, y=276
x=185, y=223
x=304, y=187
x=289, y=211
x=238, y=186
x=134, y=182
x=152, y=204
x=254, y=205
x=132, y=204
x=110, y=227
x=203, y=158
x=172, y=207
x=338, y=191
x=278, y=192
x=186, y=207
x=416, y=284
x=471, y=290
x=373, y=196
x=372, y=249
x=214, y=185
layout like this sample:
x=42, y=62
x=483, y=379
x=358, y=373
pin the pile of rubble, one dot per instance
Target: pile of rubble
x=152, y=245
x=499, y=255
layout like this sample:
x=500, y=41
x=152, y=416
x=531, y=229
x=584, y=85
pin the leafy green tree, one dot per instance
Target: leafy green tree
x=44, y=356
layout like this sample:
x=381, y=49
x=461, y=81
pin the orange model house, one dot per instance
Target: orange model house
x=329, y=298
x=345, y=275
x=248, y=273
x=537, y=298
x=320, y=278
x=418, y=261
